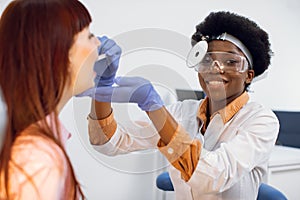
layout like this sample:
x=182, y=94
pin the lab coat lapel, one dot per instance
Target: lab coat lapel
x=213, y=132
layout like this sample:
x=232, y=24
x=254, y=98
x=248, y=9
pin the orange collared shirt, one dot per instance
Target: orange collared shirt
x=226, y=113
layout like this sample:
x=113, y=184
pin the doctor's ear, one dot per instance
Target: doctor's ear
x=250, y=76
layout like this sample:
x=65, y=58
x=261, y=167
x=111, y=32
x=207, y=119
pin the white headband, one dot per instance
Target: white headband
x=238, y=43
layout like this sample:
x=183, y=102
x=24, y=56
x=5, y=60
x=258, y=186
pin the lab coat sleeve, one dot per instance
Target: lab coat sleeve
x=220, y=169
x=100, y=131
x=182, y=152
x=129, y=137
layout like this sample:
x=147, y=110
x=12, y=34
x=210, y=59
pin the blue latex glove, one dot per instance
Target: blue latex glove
x=106, y=68
x=128, y=90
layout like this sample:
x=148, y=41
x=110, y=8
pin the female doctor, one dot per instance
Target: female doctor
x=218, y=147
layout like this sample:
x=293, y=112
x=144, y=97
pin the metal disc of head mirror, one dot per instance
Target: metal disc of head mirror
x=196, y=54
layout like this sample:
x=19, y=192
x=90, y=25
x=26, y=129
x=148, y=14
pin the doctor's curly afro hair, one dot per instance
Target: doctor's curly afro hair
x=247, y=31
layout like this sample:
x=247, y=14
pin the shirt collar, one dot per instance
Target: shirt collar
x=226, y=113
x=64, y=133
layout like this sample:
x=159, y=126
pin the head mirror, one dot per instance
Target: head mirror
x=196, y=54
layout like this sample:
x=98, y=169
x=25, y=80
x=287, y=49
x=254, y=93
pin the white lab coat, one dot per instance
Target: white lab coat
x=233, y=159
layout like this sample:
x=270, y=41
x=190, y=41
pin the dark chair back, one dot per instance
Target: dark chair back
x=289, y=131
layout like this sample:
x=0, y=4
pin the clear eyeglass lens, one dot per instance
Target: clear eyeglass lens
x=227, y=62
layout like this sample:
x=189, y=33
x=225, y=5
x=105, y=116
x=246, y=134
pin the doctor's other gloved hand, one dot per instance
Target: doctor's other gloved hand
x=107, y=67
x=128, y=90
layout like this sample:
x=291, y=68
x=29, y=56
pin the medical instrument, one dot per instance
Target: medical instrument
x=196, y=54
x=106, y=68
x=101, y=56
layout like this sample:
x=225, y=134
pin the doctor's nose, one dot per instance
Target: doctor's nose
x=216, y=66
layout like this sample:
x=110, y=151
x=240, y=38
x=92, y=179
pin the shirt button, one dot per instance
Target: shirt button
x=170, y=150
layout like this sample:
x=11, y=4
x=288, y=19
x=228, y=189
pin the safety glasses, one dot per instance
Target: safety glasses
x=222, y=61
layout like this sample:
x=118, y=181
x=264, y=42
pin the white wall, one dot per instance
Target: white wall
x=155, y=36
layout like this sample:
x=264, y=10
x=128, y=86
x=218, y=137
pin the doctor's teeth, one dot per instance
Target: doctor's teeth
x=215, y=82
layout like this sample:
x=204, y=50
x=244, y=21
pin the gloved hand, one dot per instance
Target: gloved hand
x=129, y=89
x=106, y=68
